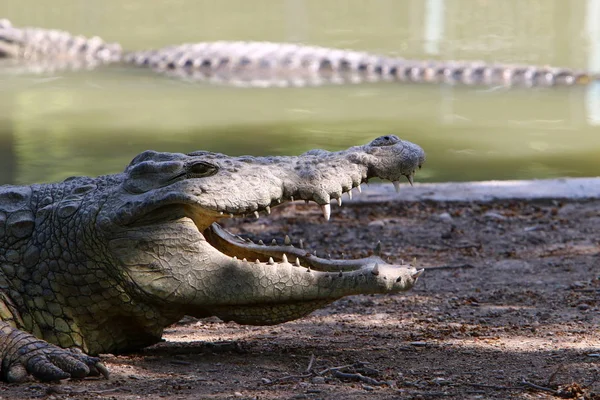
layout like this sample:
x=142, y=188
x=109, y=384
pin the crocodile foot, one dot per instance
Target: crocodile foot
x=23, y=354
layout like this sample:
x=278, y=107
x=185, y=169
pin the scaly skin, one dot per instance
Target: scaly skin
x=104, y=264
x=263, y=64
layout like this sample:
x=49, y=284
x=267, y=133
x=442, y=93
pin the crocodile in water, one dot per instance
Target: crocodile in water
x=264, y=64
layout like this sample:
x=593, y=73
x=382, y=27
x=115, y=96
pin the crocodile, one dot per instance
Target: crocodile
x=265, y=64
x=103, y=265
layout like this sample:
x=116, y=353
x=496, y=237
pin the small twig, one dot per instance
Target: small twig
x=495, y=387
x=553, y=375
x=357, y=377
x=310, y=363
x=449, y=267
x=326, y=370
x=537, y=387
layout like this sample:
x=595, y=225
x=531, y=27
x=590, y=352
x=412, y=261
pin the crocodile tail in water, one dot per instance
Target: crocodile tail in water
x=283, y=64
x=47, y=50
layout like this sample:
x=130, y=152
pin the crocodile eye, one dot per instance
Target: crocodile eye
x=387, y=140
x=202, y=169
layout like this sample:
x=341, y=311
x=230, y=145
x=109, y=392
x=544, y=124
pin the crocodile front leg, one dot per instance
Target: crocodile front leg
x=23, y=354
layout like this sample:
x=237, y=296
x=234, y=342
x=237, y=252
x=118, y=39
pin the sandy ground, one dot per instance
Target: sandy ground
x=510, y=300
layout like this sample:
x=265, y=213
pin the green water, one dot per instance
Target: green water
x=55, y=126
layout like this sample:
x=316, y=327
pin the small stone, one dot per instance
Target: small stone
x=418, y=344
x=597, y=355
x=317, y=380
x=444, y=217
x=238, y=394
x=583, y=306
x=494, y=216
x=378, y=223
x=266, y=381
x=368, y=388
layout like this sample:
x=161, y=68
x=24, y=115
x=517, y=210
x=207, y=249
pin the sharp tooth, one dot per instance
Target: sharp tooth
x=377, y=250
x=291, y=198
x=359, y=189
x=221, y=213
x=256, y=214
x=350, y=194
x=315, y=253
x=261, y=242
x=410, y=178
x=326, y=208
x=278, y=201
x=257, y=261
x=396, y=186
x=414, y=263
x=234, y=258
x=271, y=262
x=244, y=260
x=302, y=244
x=273, y=242
x=231, y=216
x=339, y=200
x=268, y=210
x=287, y=240
x=417, y=274
x=297, y=262
x=375, y=270
x=284, y=258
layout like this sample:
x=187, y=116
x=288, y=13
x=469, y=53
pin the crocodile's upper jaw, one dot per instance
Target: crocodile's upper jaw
x=161, y=227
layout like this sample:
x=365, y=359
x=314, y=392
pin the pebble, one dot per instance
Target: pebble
x=378, y=223
x=444, y=217
x=418, y=344
x=318, y=380
x=494, y=216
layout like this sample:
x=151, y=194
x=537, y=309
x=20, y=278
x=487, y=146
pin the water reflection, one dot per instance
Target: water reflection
x=93, y=123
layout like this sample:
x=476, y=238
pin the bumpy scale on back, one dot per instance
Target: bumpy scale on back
x=263, y=64
x=104, y=264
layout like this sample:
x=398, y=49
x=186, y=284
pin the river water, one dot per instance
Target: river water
x=91, y=123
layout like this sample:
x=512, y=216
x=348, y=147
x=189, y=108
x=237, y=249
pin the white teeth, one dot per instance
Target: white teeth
x=273, y=242
x=291, y=198
x=268, y=210
x=297, y=262
x=301, y=244
x=339, y=200
x=359, y=189
x=271, y=262
x=221, y=212
x=244, y=260
x=350, y=194
x=410, y=178
x=287, y=241
x=417, y=274
x=234, y=258
x=257, y=261
x=231, y=216
x=375, y=270
x=284, y=258
x=326, y=208
x=396, y=186
x=256, y=214
x=261, y=242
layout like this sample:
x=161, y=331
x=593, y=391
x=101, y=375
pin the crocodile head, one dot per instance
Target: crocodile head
x=161, y=226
